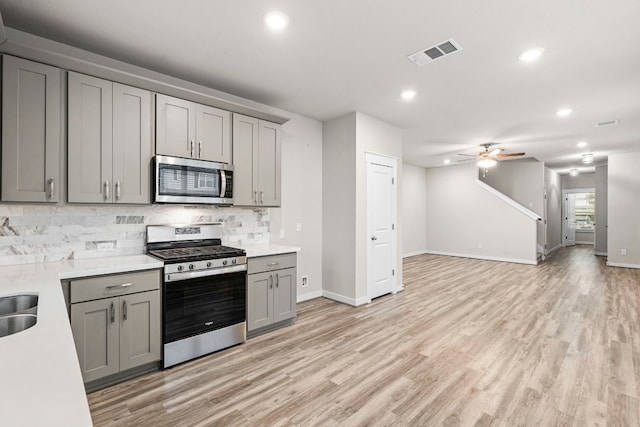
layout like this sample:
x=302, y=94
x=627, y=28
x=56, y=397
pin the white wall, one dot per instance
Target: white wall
x=339, y=206
x=346, y=140
x=414, y=210
x=622, y=210
x=601, y=210
x=523, y=181
x=584, y=180
x=301, y=200
x=463, y=219
x=554, y=210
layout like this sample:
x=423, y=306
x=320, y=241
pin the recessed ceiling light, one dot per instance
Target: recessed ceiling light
x=447, y=161
x=574, y=172
x=408, y=95
x=531, y=55
x=564, y=112
x=581, y=144
x=276, y=20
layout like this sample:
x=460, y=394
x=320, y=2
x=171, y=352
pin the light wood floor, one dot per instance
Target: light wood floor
x=468, y=343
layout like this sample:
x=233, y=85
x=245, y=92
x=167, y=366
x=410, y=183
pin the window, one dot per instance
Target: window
x=585, y=211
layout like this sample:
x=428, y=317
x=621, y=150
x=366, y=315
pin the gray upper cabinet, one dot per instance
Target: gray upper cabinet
x=30, y=131
x=190, y=130
x=256, y=159
x=110, y=146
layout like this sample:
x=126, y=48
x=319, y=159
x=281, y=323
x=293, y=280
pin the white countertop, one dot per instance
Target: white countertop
x=266, y=249
x=40, y=378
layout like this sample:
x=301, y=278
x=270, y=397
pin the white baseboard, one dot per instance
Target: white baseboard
x=309, y=295
x=346, y=300
x=601, y=254
x=487, y=258
x=555, y=248
x=584, y=243
x=619, y=264
x=414, y=254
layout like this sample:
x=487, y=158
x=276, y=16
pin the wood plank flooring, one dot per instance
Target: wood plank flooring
x=468, y=343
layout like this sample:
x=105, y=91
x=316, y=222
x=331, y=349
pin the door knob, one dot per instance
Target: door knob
x=374, y=238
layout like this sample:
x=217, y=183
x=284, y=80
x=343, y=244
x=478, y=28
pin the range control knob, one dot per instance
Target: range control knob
x=180, y=268
x=209, y=264
x=233, y=261
x=191, y=267
x=224, y=262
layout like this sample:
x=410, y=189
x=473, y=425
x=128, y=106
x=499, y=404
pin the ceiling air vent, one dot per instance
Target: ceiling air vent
x=430, y=54
x=607, y=123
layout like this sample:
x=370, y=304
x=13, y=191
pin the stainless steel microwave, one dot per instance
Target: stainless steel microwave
x=179, y=180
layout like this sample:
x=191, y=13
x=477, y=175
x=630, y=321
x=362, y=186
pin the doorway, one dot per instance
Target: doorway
x=578, y=214
x=382, y=231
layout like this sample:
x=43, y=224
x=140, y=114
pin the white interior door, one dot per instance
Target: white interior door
x=569, y=225
x=381, y=225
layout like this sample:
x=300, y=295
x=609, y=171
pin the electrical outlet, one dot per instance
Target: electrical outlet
x=623, y=251
x=104, y=246
x=298, y=226
x=305, y=281
x=282, y=233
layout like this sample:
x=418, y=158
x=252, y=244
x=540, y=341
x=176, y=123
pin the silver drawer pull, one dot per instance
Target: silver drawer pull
x=112, y=311
x=124, y=310
x=122, y=286
x=271, y=264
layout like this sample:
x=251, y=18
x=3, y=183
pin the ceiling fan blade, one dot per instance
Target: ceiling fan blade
x=466, y=160
x=496, y=152
x=502, y=156
x=467, y=155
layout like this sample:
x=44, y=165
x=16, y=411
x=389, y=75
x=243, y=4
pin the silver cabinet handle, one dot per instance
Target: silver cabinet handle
x=374, y=238
x=261, y=196
x=107, y=189
x=112, y=310
x=277, y=280
x=255, y=196
x=124, y=310
x=118, y=190
x=52, y=187
x=271, y=281
x=223, y=184
x=271, y=264
x=191, y=148
x=122, y=286
x=199, y=149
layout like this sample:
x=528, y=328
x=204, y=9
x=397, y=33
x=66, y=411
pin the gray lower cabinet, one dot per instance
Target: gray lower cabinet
x=116, y=322
x=256, y=161
x=31, y=142
x=271, y=291
x=110, y=143
x=191, y=130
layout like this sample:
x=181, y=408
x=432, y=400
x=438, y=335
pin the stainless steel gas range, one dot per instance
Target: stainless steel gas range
x=204, y=290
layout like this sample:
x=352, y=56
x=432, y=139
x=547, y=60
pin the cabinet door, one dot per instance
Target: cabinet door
x=132, y=145
x=269, y=169
x=30, y=131
x=284, y=294
x=259, y=300
x=175, y=127
x=90, y=139
x=140, y=329
x=213, y=134
x=95, y=329
x=245, y=160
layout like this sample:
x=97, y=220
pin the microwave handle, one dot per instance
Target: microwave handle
x=223, y=183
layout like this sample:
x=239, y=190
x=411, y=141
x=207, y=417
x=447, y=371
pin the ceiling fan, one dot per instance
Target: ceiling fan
x=486, y=158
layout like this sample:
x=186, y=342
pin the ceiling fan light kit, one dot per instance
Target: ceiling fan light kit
x=587, y=159
x=487, y=163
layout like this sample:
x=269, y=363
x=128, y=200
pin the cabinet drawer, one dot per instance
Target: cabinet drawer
x=270, y=263
x=114, y=285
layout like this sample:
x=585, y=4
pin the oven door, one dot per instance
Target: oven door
x=179, y=180
x=195, y=305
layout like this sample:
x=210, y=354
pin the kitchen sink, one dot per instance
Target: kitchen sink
x=19, y=304
x=13, y=324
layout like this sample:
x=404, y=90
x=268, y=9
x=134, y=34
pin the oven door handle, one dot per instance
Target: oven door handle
x=186, y=275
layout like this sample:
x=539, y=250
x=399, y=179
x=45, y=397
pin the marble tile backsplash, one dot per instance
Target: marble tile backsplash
x=31, y=234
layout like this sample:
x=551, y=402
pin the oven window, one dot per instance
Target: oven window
x=178, y=180
x=194, y=306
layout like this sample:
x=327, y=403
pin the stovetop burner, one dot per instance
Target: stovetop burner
x=196, y=253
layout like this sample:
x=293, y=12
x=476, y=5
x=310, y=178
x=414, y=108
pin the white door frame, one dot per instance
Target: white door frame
x=391, y=162
x=566, y=191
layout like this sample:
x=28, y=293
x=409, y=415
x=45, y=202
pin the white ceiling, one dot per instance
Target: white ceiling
x=338, y=56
